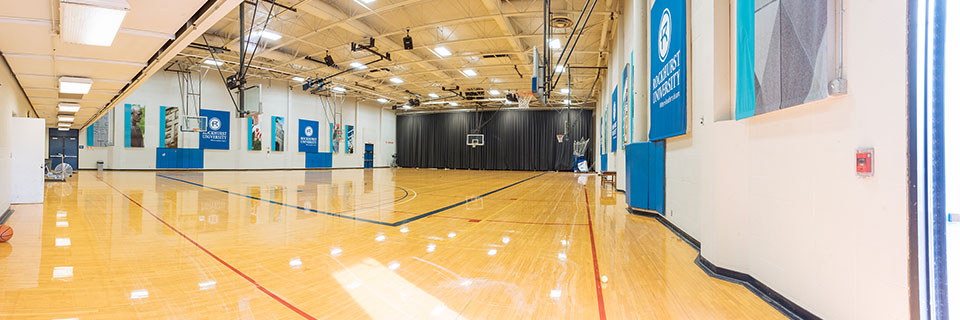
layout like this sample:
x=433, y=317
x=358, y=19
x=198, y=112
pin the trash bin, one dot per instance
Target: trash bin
x=99, y=166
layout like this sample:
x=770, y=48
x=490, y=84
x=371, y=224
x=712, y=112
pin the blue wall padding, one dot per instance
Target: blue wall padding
x=645, y=167
x=319, y=160
x=603, y=162
x=179, y=158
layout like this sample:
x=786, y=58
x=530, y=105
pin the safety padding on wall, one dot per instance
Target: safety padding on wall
x=645, y=163
x=319, y=160
x=179, y=158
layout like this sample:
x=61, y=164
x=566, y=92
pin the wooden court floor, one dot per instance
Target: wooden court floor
x=351, y=244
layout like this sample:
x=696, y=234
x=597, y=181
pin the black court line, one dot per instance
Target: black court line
x=394, y=224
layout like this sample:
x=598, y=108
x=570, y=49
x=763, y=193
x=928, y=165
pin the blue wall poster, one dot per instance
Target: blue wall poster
x=308, y=140
x=217, y=135
x=668, y=78
x=613, y=120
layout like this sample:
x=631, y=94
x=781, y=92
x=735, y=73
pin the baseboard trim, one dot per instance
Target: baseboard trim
x=772, y=297
x=686, y=237
x=253, y=169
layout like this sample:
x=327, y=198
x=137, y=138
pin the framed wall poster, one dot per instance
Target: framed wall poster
x=134, y=125
x=785, y=54
x=613, y=120
x=350, y=138
x=169, y=127
x=217, y=136
x=277, y=130
x=334, y=138
x=99, y=134
x=254, y=135
x=626, y=109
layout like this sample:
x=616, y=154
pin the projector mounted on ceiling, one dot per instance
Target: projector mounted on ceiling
x=91, y=22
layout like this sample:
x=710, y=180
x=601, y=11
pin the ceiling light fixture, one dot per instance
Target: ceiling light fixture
x=559, y=69
x=64, y=118
x=469, y=73
x=339, y=89
x=433, y=95
x=555, y=44
x=365, y=1
x=495, y=92
x=454, y=104
x=406, y=107
x=74, y=85
x=68, y=108
x=298, y=79
x=213, y=62
x=442, y=52
x=64, y=124
x=382, y=100
x=564, y=91
x=91, y=22
x=357, y=65
x=269, y=35
x=63, y=129
x=396, y=80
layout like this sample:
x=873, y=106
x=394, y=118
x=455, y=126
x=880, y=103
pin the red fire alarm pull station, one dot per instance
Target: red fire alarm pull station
x=865, y=162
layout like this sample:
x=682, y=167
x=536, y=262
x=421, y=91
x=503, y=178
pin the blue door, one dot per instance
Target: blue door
x=368, y=155
x=66, y=143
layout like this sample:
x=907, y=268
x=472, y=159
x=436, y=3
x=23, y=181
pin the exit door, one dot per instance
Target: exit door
x=66, y=143
x=368, y=155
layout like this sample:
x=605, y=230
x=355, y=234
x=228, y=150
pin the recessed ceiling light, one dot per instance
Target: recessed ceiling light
x=564, y=91
x=63, y=129
x=91, y=22
x=469, y=72
x=396, y=80
x=406, y=107
x=68, y=108
x=567, y=102
x=339, y=89
x=74, y=85
x=495, y=92
x=382, y=100
x=454, y=104
x=555, y=44
x=269, y=35
x=299, y=79
x=366, y=1
x=358, y=65
x=64, y=118
x=433, y=95
x=213, y=62
x=442, y=52
x=64, y=124
x=559, y=69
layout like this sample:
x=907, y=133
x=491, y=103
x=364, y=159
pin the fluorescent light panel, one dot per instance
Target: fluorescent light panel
x=68, y=108
x=74, y=85
x=91, y=22
x=339, y=89
x=495, y=92
x=442, y=52
x=564, y=91
x=267, y=34
x=469, y=72
x=433, y=95
x=213, y=62
x=299, y=79
x=396, y=80
x=358, y=65
x=555, y=44
x=382, y=100
x=64, y=118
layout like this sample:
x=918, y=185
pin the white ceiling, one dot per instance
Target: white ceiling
x=36, y=55
x=471, y=29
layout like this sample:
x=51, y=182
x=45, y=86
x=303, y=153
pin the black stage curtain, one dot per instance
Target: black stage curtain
x=513, y=139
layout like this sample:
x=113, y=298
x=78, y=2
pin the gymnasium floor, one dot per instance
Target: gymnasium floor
x=351, y=244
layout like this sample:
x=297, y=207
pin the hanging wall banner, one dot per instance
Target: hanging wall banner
x=217, y=135
x=133, y=125
x=254, y=135
x=668, y=66
x=350, y=138
x=784, y=54
x=277, y=130
x=98, y=134
x=169, y=127
x=613, y=120
x=309, y=139
x=603, y=129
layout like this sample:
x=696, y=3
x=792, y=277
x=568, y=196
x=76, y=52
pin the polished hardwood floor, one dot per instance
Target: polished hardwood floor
x=351, y=244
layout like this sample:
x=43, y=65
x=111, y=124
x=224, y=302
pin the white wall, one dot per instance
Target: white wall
x=775, y=195
x=374, y=125
x=13, y=103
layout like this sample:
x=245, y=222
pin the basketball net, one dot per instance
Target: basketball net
x=524, y=98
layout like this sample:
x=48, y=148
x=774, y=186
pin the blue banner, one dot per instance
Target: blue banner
x=217, y=135
x=309, y=130
x=668, y=62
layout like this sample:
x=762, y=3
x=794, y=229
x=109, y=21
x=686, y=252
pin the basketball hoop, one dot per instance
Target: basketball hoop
x=559, y=138
x=524, y=98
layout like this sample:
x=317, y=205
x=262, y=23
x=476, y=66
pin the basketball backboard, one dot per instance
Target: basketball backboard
x=252, y=103
x=194, y=124
x=474, y=140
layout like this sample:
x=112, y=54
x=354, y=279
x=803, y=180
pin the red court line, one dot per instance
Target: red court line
x=215, y=257
x=596, y=267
